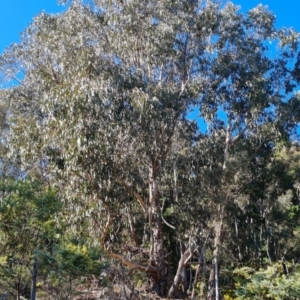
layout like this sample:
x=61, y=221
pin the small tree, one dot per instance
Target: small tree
x=27, y=212
x=70, y=262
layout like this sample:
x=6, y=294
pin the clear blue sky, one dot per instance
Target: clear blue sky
x=16, y=15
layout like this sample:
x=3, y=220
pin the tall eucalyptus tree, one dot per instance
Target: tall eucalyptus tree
x=245, y=105
x=107, y=87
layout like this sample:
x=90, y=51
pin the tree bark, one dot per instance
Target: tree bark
x=157, y=251
x=179, y=273
x=214, y=293
x=132, y=230
x=198, y=270
x=134, y=266
x=33, y=279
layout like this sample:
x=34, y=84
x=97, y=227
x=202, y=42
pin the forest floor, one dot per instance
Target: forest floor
x=107, y=294
x=119, y=292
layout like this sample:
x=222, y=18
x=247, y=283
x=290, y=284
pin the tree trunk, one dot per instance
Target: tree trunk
x=214, y=293
x=180, y=273
x=132, y=230
x=157, y=253
x=33, y=279
x=197, y=274
x=214, y=281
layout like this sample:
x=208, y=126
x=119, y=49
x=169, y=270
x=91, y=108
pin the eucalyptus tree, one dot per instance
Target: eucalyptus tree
x=101, y=98
x=105, y=89
x=246, y=104
x=9, y=165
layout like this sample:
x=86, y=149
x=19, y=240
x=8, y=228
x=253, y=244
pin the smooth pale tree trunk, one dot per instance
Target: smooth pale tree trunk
x=132, y=230
x=157, y=251
x=214, y=292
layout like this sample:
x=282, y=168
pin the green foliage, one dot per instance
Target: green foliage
x=27, y=212
x=67, y=266
x=29, y=226
x=276, y=282
x=77, y=260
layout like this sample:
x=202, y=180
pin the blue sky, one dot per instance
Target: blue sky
x=16, y=15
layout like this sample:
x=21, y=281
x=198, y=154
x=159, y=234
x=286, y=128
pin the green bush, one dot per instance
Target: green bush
x=71, y=264
x=276, y=282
